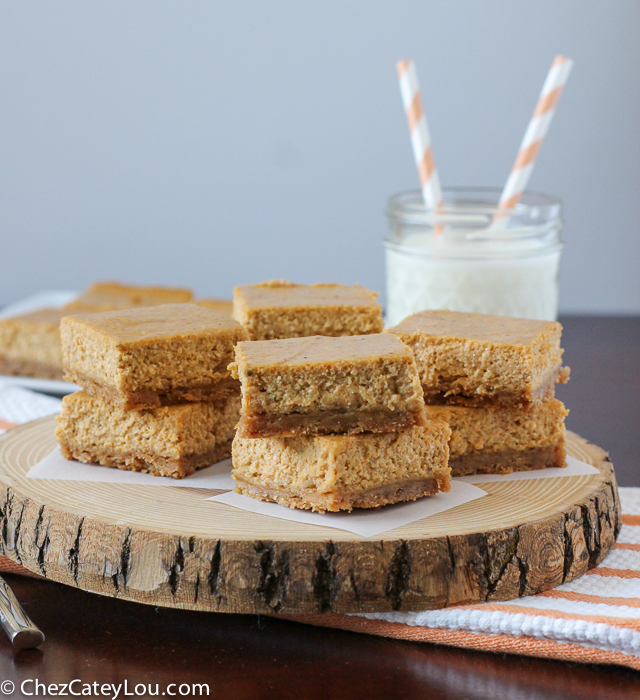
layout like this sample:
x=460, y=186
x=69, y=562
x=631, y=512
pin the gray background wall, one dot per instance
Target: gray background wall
x=212, y=144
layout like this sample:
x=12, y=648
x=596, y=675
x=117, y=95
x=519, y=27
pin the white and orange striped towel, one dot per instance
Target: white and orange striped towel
x=20, y=406
x=595, y=619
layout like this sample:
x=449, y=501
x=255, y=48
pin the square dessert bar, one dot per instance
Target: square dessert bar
x=111, y=296
x=168, y=441
x=504, y=439
x=476, y=360
x=153, y=356
x=30, y=344
x=321, y=385
x=281, y=309
x=341, y=472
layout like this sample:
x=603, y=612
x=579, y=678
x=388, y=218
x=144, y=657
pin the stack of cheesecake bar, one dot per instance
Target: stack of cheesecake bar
x=332, y=409
x=492, y=379
x=335, y=423
x=157, y=393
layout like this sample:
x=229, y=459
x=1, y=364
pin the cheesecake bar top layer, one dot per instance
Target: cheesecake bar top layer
x=483, y=328
x=148, y=325
x=321, y=385
x=476, y=359
x=111, y=296
x=341, y=472
x=162, y=349
x=319, y=350
x=281, y=309
x=284, y=294
x=30, y=344
x=167, y=441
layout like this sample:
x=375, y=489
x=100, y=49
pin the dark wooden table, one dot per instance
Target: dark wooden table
x=101, y=640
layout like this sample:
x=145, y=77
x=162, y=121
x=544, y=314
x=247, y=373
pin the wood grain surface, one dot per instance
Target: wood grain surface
x=170, y=547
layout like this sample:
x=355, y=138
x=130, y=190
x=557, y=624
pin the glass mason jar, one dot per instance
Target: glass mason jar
x=455, y=259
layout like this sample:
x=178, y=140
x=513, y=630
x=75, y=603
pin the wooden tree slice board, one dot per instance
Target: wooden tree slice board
x=170, y=547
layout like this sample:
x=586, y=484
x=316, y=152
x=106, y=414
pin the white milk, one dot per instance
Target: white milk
x=512, y=272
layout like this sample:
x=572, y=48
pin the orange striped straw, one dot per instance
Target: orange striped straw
x=420, y=138
x=536, y=131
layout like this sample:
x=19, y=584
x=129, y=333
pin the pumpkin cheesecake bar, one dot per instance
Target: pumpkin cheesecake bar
x=501, y=440
x=321, y=385
x=341, y=472
x=281, y=309
x=30, y=344
x=111, y=296
x=168, y=441
x=477, y=360
x=153, y=356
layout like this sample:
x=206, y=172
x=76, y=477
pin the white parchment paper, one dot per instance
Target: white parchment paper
x=574, y=468
x=366, y=522
x=55, y=466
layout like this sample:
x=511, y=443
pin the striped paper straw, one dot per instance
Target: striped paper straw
x=536, y=131
x=420, y=138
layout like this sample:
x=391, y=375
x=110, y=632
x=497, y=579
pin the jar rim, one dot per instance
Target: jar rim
x=465, y=225
x=472, y=206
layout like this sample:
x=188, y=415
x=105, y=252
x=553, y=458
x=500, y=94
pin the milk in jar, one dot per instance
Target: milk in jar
x=459, y=259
